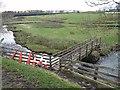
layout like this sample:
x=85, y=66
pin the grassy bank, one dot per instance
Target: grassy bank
x=39, y=77
x=57, y=32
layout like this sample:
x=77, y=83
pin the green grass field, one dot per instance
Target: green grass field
x=40, y=77
x=57, y=32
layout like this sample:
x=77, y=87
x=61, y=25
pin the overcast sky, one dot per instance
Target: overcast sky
x=16, y=5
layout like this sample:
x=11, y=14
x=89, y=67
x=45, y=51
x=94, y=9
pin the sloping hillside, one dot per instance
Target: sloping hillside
x=17, y=75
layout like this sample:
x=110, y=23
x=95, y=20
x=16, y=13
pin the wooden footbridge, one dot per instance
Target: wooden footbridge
x=67, y=59
x=70, y=60
x=77, y=52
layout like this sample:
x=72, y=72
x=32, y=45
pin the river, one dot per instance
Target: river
x=7, y=40
x=112, y=61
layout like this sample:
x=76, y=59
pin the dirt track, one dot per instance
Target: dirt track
x=14, y=80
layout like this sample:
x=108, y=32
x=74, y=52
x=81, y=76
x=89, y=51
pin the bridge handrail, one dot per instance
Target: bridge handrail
x=73, y=47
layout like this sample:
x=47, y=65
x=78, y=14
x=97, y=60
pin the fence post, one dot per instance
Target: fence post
x=80, y=54
x=86, y=49
x=97, y=41
x=71, y=57
x=50, y=62
x=60, y=67
x=33, y=55
x=92, y=45
x=100, y=42
x=4, y=52
x=95, y=73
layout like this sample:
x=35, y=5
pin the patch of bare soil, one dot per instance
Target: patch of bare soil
x=14, y=80
x=18, y=18
x=84, y=84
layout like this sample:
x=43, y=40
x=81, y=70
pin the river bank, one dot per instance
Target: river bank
x=105, y=50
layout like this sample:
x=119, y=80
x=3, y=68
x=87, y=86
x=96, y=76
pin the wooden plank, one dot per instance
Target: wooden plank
x=69, y=53
x=85, y=78
x=98, y=66
x=53, y=63
x=54, y=59
x=112, y=69
x=93, y=70
x=88, y=73
x=76, y=50
x=65, y=64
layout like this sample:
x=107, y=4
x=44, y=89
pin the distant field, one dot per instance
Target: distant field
x=57, y=32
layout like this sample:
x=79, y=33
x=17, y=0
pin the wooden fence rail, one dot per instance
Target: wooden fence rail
x=96, y=74
x=93, y=70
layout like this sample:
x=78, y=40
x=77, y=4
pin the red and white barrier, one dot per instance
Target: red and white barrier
x=12, y=57
x=41, y=59
x=20, y=57
x=29, y=58
x=34, y=61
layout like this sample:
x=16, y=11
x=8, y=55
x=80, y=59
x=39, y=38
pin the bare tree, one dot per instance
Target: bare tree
x=1, y=5
x=0, y=15
x=0, y=47
x=93, y=3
